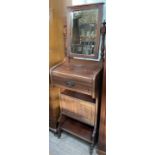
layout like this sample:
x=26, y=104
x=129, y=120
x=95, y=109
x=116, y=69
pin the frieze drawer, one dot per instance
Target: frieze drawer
x=72, y=84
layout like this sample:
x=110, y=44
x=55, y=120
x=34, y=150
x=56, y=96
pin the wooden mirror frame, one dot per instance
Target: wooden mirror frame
x=70, y=9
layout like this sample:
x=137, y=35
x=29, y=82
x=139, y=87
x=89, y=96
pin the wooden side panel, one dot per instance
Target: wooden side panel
x=102, y=128
x=58, y=13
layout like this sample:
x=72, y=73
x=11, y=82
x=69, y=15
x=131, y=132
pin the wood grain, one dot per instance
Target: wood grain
x=78, y=106
x=78, y=129
x=54, y=109
x=81, y=76
x=102, y=128
x=98, y=6
x=57, y=10
x=83, y=73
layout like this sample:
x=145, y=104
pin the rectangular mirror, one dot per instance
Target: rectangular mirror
x=84, y=30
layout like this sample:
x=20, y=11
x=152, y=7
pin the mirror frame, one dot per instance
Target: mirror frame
x=70, y=9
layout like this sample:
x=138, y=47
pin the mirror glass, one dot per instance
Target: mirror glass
x=83, y=31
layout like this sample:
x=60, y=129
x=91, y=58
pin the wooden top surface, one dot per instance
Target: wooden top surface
x=77, y=69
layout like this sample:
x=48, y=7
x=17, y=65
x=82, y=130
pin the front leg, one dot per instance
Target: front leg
x=59, y=126
x=91, y=148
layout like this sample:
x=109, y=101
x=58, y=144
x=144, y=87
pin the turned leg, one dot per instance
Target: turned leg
x=59, y=126
x=59, y=133
x=93, y=141
x=55, y=133
x=91, y=148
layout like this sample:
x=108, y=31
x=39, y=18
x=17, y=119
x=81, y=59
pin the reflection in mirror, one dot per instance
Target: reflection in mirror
x=83, y=35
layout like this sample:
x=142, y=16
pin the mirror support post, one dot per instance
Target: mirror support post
x=103, y=33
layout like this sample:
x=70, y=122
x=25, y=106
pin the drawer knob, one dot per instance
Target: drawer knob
x=70, y=83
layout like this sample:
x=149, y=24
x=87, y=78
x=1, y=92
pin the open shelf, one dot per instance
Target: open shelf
x=79, y=96
x=77, y=129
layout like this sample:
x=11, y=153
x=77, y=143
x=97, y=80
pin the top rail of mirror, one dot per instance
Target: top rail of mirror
x=84, y=6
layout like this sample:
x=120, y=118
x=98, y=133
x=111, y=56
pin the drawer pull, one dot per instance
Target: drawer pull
x=70, y=83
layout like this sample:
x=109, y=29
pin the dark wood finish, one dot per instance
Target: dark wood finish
x=77, y=129
x=98, y=6
x=103, y=32
x=54, y=105
x=99, y=152
x=72, y=84
x=79, y=96
x=80, y=82
x=54, y=109
x=102, y=128
x=76, y=75
x=78, y=106
x=84, y=77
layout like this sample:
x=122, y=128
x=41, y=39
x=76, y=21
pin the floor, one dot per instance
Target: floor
x=68, y=145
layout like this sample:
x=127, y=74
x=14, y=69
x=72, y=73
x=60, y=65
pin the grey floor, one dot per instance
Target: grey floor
x=67, y=145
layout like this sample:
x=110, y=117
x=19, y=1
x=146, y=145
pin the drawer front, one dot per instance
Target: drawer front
x=73, y=84
x=78, y=109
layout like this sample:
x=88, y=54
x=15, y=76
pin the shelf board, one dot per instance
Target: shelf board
x=77, y=129
x=79, y=96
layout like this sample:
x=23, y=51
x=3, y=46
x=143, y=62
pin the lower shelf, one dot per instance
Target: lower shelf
x=77, y=129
